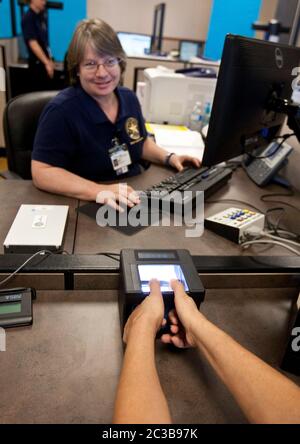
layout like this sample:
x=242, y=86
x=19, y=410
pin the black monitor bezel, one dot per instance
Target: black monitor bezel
x=158, y=27
x=213, y=153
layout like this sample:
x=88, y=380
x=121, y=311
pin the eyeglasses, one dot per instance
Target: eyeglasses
x=109, y=64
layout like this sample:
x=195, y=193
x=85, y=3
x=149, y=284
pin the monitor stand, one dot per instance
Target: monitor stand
x=158, y=54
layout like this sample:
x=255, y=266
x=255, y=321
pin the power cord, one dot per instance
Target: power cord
x=110, y=255
x=265, y=198
x=76, y=226
x=258, y=237
x=265, y=241
x=275, y=234
x=284, y=233
x=272, y=236
x=41, y=253
x=271, y=226
x=284, y=138
x=38, y=253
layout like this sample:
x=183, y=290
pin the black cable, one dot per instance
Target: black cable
x=264, y=197
x=11, y=275
x=275, y=227
x=43, y=253
x=61, y=252
x=284, y=203
x=269, y=224
x=110, y=255
x=234, y=165
x=289, y=194
x=76, y=225
x=289, y=234
x=234, y=200
x=109, y=252
x=284, y=138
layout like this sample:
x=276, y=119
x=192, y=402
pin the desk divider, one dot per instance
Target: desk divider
x=99, y=272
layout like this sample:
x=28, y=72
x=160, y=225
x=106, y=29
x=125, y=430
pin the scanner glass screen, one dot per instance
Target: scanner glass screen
x=162, y=272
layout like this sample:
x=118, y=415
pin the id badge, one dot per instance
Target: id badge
x=120, y=158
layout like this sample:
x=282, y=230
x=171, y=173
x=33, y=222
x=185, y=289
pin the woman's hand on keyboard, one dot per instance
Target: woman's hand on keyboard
x=120, y=193
x=179, y=162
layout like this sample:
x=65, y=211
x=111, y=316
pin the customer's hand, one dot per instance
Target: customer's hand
x=148, y=316
x=179, y=162
x=122, y=193
x=49, y=66
x=182, y=319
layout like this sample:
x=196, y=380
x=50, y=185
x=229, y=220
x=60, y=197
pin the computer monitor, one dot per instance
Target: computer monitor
x=252, y=97
x=158, y=27
x=188, y=49
x=135, y=45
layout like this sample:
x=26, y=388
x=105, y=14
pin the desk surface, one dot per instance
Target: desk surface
x=65, y=368
x=94, y=239
x=91, y=239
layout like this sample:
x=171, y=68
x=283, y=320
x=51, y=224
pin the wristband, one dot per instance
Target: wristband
x=167, y=159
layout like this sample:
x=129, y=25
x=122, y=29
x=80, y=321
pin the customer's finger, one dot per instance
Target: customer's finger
x=178, y=288
x=155, y=288
x=173, y=317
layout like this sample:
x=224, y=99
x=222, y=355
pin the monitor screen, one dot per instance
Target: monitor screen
x=188, y=49
x=251, y=73
x=163, y=272
x=135, y=44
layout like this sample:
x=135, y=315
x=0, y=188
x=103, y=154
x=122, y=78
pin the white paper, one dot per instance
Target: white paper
x=201, y=61
x=180, y=142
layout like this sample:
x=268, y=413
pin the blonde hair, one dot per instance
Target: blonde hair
x=103, y=40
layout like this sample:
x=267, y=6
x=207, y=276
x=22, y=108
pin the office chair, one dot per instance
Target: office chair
x=20, y=121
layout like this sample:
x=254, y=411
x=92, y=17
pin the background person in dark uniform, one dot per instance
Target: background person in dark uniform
x=35, y=34
x=94, y=131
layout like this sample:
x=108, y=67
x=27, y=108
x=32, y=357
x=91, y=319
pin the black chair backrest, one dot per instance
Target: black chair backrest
x=20, y=121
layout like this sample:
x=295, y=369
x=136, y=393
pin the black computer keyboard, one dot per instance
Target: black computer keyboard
x=204, y=179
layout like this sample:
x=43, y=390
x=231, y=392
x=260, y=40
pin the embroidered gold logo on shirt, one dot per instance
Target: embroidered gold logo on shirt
x=132, y=128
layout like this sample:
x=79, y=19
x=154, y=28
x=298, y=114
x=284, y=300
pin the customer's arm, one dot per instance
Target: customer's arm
x=140, y=399
x=155, y=154
x=60, y=181
x=264, y=394
x=39, y=53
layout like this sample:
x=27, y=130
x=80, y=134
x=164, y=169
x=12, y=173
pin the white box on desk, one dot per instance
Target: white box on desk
x=37, y=227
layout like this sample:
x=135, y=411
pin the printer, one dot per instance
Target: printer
x=169, y=97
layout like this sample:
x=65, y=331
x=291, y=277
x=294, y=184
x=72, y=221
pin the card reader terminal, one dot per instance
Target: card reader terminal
x=16, y=307
x=138, y=267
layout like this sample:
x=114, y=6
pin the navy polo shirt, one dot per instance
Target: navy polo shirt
x=34, y=27
x=75, y=134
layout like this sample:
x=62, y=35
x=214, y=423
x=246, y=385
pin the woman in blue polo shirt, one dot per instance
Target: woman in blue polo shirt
x=94, y=131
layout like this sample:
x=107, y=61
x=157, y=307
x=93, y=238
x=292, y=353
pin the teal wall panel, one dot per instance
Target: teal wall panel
x=230, y=16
